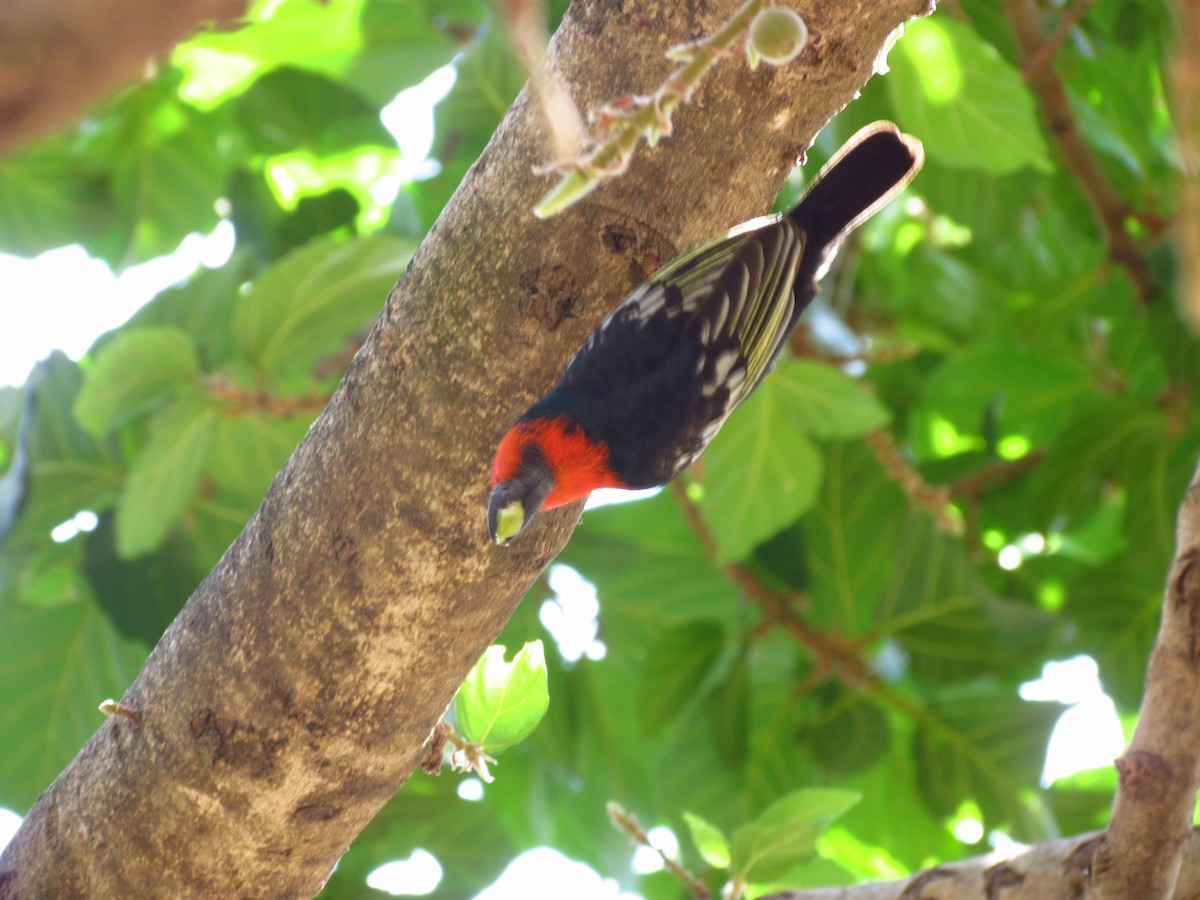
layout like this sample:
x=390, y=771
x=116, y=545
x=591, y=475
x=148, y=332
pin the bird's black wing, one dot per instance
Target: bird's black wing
x=670, y=364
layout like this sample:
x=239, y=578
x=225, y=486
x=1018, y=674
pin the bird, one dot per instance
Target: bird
x=655, y=381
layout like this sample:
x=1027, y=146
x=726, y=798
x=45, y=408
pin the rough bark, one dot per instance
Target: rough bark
x=1052, y=870
x=57, y=57
x=294, y=692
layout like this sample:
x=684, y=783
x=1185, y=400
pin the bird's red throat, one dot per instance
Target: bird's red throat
x=579, y=464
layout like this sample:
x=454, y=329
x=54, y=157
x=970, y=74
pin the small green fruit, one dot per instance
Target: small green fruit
x=777, y=36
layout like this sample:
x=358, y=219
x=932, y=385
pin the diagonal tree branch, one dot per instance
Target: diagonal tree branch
x=1110, y=209
x=1050, y=870
x=295, y=691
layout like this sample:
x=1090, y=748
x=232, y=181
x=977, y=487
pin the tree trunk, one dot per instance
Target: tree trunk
x=293, y=694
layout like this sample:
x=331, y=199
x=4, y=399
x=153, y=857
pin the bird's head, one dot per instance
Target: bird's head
x=545, y=461
x=522, y=479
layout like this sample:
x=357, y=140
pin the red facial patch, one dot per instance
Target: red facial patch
x=580, y=465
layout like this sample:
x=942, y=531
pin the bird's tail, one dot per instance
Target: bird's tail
x=873, y=166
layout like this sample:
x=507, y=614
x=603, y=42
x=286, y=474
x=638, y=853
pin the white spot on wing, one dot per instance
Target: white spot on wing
x=721, y=313
x=724, y=364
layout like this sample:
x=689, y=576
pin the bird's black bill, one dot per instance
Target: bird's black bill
x=515, y=502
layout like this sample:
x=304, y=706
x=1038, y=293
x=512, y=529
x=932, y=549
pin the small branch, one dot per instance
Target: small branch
x=934, y=500
x=802, y=346
x=833, y=654
x=524, y=22
x=1048, y=870
x=1186, y=82
x=1110, y=210
x=628, y=824
x=625, y=121
x=1058, y=37
x=1160, y=773
x=826, y=649
x=239, y=401
x=979, y=482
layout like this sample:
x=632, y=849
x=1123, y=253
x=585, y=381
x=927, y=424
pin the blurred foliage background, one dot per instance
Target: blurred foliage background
x=968, y=467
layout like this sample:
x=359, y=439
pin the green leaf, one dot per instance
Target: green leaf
x=249, y=450
x=817, y=807
x=288, y=109
x=969, y=106
x=1117, y=607
x=57, y=666
x=501, y=703
x=675, y=670
x=168, y=168
x=710, y=841
x=140, y=596
x=202, y=307
x=850, y=536
x=946, y=619
x=377, y=46
x=1113, y=437
x=892, y=820
x=70, y=470
x=1030, y=391
x=785, y=834
x=991, y=207
x=760, y=473
x=729, y=712
x=51, y=197
x=135, y=368
x=825, y=402
x=650, y=572
x=984, y=744
x=852, y=737
x=404, y=41
x=302, y=307
x=164, y=475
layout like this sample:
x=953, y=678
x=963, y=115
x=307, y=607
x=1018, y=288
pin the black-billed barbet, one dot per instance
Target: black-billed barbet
x=658, y=377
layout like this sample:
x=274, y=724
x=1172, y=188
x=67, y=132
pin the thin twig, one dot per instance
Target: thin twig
x=1186, y=78
x=1110, y=210
x=934, y=499
x=624, y=122
x=802, y=346
x=1058, y=37
x=238, y=401
x=834, y=655
x=777, y=606
x=627, y=823
x=982, y=480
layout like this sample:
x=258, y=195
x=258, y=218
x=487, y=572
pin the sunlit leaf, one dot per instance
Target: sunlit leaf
x=785, y=834
x=164, y=475
x=501, y=703
x=136, y=367
x=760, y=473
x=313, y=298
x=710, y=842
x=969, y=106
x=57, y=665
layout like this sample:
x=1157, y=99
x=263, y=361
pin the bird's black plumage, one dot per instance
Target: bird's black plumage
x=663, y=372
